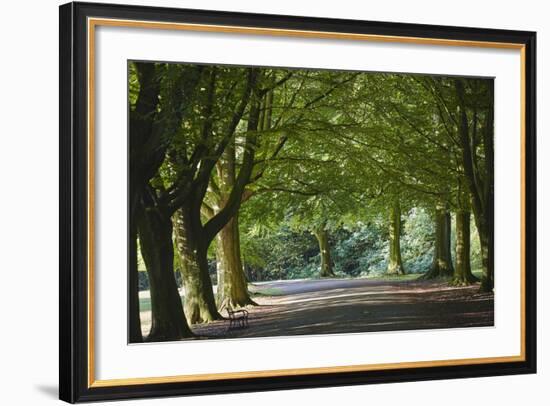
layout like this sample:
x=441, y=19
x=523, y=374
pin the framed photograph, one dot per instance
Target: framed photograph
x=255, y=202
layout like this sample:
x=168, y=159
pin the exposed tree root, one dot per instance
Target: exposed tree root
x=464, y=280
x=437, y=273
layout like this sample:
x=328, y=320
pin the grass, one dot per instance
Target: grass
x=144, y=304
x=406, y=277
x=259, y=291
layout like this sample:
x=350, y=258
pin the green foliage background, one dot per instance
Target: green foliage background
x=357, y=251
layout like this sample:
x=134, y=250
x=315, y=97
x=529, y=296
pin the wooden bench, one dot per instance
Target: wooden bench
x=237, y=318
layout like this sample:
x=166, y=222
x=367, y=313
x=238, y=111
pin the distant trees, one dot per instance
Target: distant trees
x=448, y=124
x=221, y=155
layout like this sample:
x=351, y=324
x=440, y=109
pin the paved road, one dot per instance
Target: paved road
x=358, y=305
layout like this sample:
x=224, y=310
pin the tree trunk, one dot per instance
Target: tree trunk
x=232, y=284
x=480, y=181
x=155, y=237
x=324, y=248
x=134, y=322
x=442, y=265
x=395, y=265
x=463, y=271
x=200, y=306
x=486, y=240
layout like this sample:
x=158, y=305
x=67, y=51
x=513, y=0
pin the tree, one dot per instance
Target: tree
x=442, y=265
x=321, y=234
x=463, y=269
x=478, y=167
x=155, y=231
x=395, y=264
x=232, y=284
x=464, y=108
x=157, y=105
x=222, y=99
x=188, y=136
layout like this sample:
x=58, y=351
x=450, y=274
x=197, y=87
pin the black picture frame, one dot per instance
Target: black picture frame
x=74, y=385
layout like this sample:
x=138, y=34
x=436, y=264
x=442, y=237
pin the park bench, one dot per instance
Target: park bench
x=237, y=318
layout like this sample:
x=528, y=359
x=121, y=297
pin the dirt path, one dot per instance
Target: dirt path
x=355, y=305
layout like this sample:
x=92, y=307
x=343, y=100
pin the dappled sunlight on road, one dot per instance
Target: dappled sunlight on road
x=354, y=305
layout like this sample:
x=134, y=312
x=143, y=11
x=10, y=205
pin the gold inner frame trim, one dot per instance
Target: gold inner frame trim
x=94, y=22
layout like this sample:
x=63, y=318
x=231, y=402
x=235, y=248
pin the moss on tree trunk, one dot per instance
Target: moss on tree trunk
x=442, y=265
x=395, y=264
x=155, y=237
x=200, y=305
x=324, y=249
x=487, y=261
x=463, y=271
x=232, y=285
